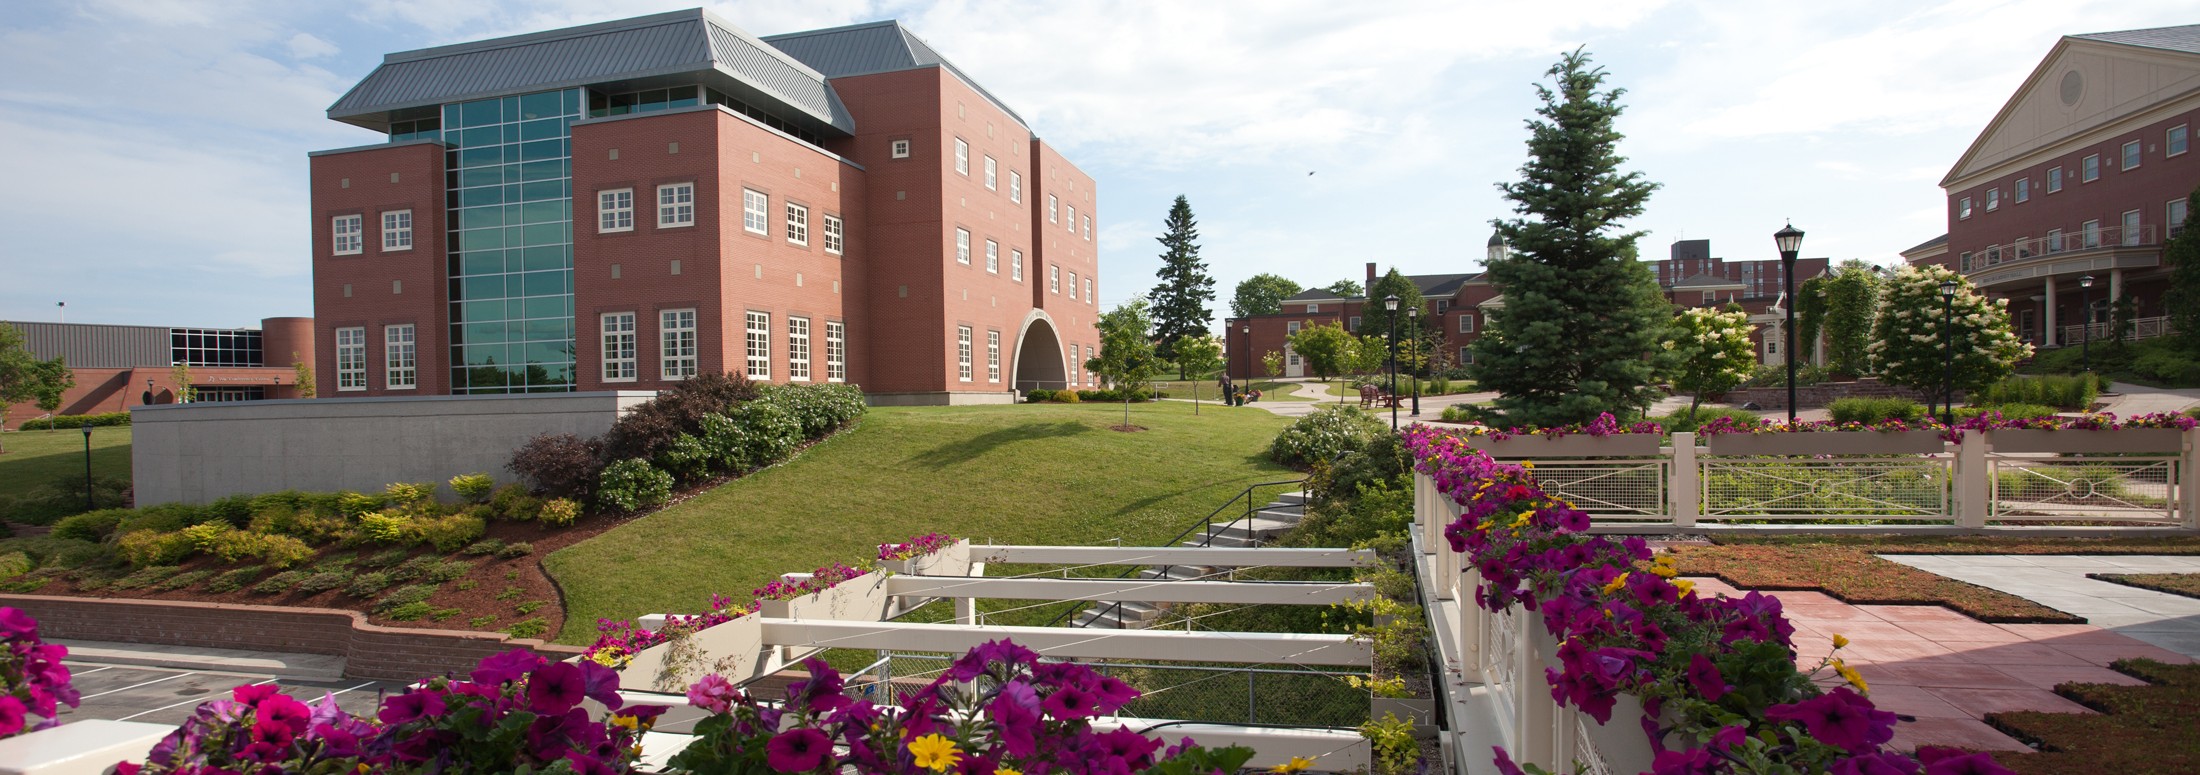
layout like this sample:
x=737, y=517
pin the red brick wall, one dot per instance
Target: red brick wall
x=2148, y=188
x=370, y=652
x=1071, y=252
x=374, y=302
x=117, y=390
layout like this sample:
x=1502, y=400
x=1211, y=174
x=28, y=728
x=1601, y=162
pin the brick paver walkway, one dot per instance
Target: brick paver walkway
x=1945, y=671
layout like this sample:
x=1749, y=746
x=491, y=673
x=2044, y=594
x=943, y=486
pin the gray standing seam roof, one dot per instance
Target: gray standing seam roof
x=2185, y=38
x=660, y=44
x=874, y=47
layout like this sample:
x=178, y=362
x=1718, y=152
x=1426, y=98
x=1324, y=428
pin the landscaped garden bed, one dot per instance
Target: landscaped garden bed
x=1855, y=576
x=2141, y=730
x=2186, y=584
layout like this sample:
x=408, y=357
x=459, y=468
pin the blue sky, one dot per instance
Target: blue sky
x=156, y=149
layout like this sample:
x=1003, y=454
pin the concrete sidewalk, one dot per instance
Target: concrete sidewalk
x=2059, y=582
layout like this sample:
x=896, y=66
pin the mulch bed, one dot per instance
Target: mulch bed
x=2142, y=730
x=2187, y=584
x=1855, y=576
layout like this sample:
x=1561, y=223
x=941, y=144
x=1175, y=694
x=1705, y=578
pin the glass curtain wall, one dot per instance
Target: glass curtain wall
x=511, y=242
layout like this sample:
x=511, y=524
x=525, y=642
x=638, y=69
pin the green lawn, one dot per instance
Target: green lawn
x=1269, y=391
x=36, y=459
x=1342, y=386
x=1027, y=473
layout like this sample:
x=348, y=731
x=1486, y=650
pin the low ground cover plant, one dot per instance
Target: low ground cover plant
x=1874, y=410
x=2186, y=584
x=2142, y=730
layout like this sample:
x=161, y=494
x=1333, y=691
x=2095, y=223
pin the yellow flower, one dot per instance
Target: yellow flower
x=1664, y=559
x=1617, y=583
x=1006, y=771
x=629, y=722
x=1687, y=587
x=1849, y=674
x=1528, y=464
x=1840, y=641
x=935, y=752
x=1296, y=764
x=1664, y=571
x=1521, y=519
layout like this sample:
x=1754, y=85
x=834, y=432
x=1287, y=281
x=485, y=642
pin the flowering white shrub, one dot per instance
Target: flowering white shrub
x=1712, y=352
x=1906, y=339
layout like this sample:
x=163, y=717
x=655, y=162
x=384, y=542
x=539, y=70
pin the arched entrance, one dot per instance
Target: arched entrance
x=1039, y=360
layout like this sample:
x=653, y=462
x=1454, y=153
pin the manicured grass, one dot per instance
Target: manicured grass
x=1208, y=391
x=37, y=459
x=2141, y=730
x=1026, y=474
x=1343, y=387
x=2187, y=584
x=1855, y=576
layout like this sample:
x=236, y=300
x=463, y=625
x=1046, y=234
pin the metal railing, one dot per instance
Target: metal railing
x=2141, y=328
x=1216, y=694
x=2058, y=243
x=1208, y=522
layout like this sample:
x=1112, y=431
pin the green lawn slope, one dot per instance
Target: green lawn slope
x=1025, y=474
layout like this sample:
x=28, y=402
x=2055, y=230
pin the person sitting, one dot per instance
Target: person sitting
x=1253, y=396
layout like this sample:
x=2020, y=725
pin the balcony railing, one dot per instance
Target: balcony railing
x=2141, y=328
x=2061, y=242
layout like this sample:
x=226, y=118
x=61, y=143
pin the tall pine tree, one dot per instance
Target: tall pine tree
x=1180, y=300
x=1580, y=327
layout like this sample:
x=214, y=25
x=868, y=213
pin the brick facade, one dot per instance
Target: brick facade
x=376, y=288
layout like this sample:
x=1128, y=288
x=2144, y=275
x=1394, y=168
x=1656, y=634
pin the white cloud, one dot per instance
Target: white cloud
x=306, y=46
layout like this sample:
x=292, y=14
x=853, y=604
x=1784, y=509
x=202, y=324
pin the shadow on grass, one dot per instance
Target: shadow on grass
x=966, y=450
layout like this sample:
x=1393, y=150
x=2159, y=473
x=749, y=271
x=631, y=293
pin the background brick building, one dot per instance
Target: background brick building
x=119, y=367
x=622, y=205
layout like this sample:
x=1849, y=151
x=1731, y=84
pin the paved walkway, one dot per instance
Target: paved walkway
x=2138, y=399
x=1945, y=671
x=2059, y=582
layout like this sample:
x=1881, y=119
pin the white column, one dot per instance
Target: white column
x=1685, y=493
x=2049, y=334
x=2115, y=285
x=2191, y=484
x=1970, y=488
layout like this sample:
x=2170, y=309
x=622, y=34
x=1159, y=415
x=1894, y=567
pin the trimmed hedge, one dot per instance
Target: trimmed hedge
x=1872, y=410
x=74, y=421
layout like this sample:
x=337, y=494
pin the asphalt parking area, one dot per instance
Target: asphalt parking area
x=162, y=695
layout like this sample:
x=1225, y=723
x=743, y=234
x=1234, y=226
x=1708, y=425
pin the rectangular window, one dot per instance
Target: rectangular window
x=962, y=157
x=1054, y=279
x=2054, y=241
x=397, y=230
x=1466, y=355
x=400, y=364
x=1965, y=264
x=1290, y=329
x=992, y=174
x=760, y=345
x=753, y=204
x=615, y=210
x=836, y=351
x=2131, y=156
x=1071, y=212
x=798, y=348
x=675, y=205
x=2024, y=189
x=618, y=347
x=1993, y=199
x=1090, y=378
x=834, y=242
x=1963, y=208
x=1710, y=296
x=2089, y=170
x=2176, y=140
x=962, y=353
x=1016, y=265
x=992, y=356
x=1053, y=206
x=677, y=356
x=962, y=246
x=2092, y=231
x=2131, y=228
x=2174, y=215
x=1466, y=322
x=1088, y=228
x=1015, y=186
x=901, y=149
x=1088, y=290
x=1075, y=366
x=1073, y=285
x=347, y=234
x=992, y=257
x=1313, y=308
x=798, y=224
x=351, y=358
x=2054, y=179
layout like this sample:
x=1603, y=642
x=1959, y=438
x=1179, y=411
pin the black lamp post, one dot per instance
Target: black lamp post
x=1947, y=353
x=88, y=506
x=1790, y=240
x=1413, y=319
x=1390, y=305
x=2085, y=342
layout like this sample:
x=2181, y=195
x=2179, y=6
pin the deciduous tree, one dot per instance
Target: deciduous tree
x=25, y=377
x=1127, y=359
x=1261, y=294
x=1711, y=353
x=1326, y=349
x=1375, y=319
x=1198, y=355
x=2182, y=256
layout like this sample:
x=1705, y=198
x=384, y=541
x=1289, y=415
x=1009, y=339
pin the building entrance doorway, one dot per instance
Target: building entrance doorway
x=1039, y=364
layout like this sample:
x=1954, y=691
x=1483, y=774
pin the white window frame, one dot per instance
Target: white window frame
x=1710, y=297
x=962, y=246
x=835, y=238
x=1015, y=187
x=836, y=351
x=1088, y=291
x=2054, y=241
x=1352, y=323
x=963, y=354
x=1054, y=207
x=2131, y=222
x=962, y=157
x=899, y=149
x=676, y=343
x=1088, y=228
x=1466, y=355
x=992, y=356
x=2022, y=190
x=1016, y=265
x=1073, y=285
x=1054, y=279
x=1313, y=308
x=618, y=347
x=1466, y=322
x=798, y=348
x=1071, y=217
x=1963, y=208
x=798, y=224
x=2177, y=140
x=2092, y=231
x=2089, y=168
x=2173, y=222
x=755, y=210
x=347, y=235
x=992, y=174
x=679, y=209
x=397, y=230
x=1091, y=379
x=759, y=344
x=992, y=257
x=1993, y=199
x=2129, y=157
x=2054, y=178
x=351, y=358
x=614, y=210
x=1291, y=357
x=400, y=357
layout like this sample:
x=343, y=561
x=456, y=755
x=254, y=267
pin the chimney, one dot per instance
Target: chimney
x=1370, y=288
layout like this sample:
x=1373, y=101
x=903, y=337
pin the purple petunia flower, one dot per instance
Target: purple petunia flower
x=1874, y=764
x=1505, y=765
x=1949, y=761
x=1840, y=718
x=1070, y=703
x=554, y=688
x=1015, y=713
x=1704, y=676
x=797, y=750
x=409, y=706
x=506, y=667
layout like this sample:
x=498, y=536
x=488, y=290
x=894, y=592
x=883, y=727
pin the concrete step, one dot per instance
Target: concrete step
x=1292, y=498
x=1131, y=616
x=1177, y=572
x=1285, y=514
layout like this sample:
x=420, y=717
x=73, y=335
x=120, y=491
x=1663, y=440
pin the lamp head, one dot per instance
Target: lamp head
x=87, y=430
x=1790, y=240
x=1413, y=313
x=2086, y=281
x=1390, y=303
x=1948, y=289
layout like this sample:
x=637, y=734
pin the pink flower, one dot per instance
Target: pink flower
x=797, y=750
x=11, y=715
x=1949, y=761
x=409, y=706
x=506, y=667
x=1705, y=677
x=14, y=623
x=1840, y=718
x=554, y=688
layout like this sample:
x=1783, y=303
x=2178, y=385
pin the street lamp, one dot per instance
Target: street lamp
x=1790, y=240
x=1413, y=328
x=1947, y=353
x=2085, y=343
x=1390, y=305
x=88, y=506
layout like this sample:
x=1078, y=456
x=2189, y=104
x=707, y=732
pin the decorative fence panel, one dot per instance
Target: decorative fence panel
x=1886, y=488
x=2083, y=488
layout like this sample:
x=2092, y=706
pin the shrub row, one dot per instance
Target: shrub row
x=1087, y=396
x=1873, y=410
x=74, y=421
x=2072, y=392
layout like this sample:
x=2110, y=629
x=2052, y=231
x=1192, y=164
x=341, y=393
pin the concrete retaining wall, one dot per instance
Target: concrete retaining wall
x=195, y=453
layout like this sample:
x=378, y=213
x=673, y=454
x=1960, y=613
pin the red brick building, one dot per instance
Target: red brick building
x=2084, y=173
x=623, y=205
x=119, y=367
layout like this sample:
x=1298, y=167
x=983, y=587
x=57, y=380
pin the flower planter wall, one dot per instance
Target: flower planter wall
x=733, y=649
x=860, y=599
x=952, y=560
x=1828, y=443
x=2079, y=441
x=1536, y=446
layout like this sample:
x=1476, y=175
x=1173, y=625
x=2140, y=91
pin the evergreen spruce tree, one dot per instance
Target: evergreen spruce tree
x=1180, y=301
x=1579, y=332
x=2182, y=256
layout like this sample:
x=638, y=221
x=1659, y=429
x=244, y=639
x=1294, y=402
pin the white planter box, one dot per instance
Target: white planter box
x=2152, y=440
x=1828, y=443
x=951, y=560
x=860, y=599
x=732, y=649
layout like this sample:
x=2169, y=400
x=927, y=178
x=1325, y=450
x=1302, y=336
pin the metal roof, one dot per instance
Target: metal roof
x=1936, y=241
x=874, y=47
x=667, y=44
x=2185, y=38
x=96, y=346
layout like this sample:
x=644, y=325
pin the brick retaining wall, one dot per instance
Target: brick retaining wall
x=369, y=651
x=1821, y=394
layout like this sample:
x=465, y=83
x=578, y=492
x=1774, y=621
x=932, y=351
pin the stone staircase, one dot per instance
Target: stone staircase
x=1267, y=523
